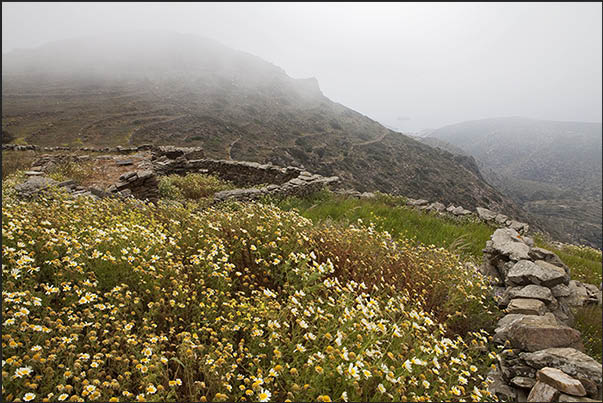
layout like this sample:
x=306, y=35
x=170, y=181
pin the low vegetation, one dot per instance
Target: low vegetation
x=192, y=186
x=14, y=161
x=303, y=299
x=589, y=321
x=389, y=213
x=117, y=300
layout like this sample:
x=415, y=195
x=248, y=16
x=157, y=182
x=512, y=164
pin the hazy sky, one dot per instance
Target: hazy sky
x=410, y=66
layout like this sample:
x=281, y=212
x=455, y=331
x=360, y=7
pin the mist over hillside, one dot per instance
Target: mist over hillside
x=552, y=169
x=166, y=88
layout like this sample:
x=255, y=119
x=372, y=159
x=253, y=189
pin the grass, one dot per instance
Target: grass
x=112, y=299
x=465, y=236
x=585, y=265
x=589, y=322
x=13, y=161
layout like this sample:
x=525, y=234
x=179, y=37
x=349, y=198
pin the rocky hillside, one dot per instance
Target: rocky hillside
x=552, y=169
x=185, y=90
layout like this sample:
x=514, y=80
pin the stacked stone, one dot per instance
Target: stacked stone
x=142, y=185
x=241, y=173
x=483, y=214
x=17, y=147
x=172, y=152
x=542, y=360
x=501, y=220
x=302, y=185
x=118, y=149
x=46, y=161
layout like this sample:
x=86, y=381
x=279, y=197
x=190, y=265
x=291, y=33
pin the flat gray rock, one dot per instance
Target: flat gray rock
x=526, y=272
x=537, y=253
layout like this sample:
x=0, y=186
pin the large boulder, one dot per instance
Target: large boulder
x=504, y=325
x=540, y=272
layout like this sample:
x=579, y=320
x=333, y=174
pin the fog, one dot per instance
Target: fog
x=409, y=66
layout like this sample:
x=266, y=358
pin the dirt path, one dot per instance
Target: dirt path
x=229, y=148
x=366, y=143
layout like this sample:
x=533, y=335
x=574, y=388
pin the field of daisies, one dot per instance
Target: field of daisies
x=116, y=300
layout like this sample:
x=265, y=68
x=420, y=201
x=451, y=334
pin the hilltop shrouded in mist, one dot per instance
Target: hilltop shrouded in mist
x=169, y=88
x=410, y=66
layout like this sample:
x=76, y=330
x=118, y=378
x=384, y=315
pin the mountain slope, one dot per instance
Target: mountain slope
x=552, y=169
x=184, y=90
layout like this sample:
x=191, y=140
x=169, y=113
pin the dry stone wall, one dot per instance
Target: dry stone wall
x=485, y=215
x=142, y=183
x=542, y=360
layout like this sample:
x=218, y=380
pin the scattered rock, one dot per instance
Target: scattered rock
x=582, y=294
x=437, y=206
x=499, y=388
x=416, y=202
x=501, y=219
